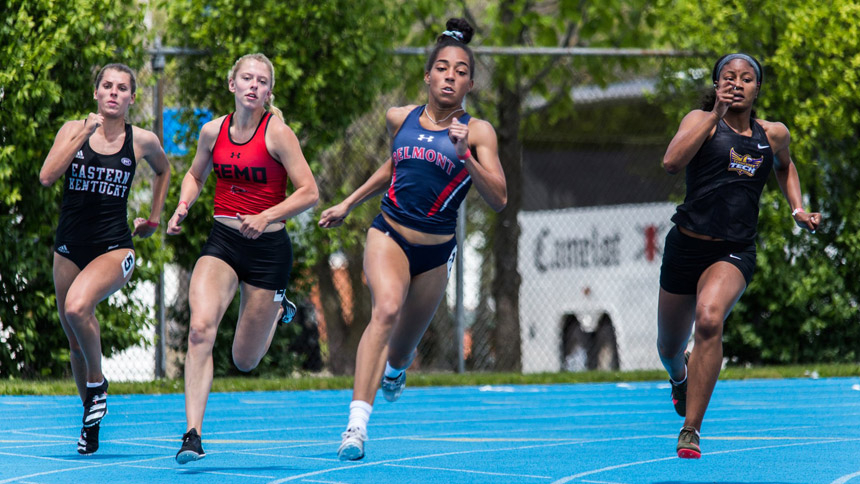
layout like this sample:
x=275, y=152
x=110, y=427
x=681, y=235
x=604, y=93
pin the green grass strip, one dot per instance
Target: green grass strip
x=418, y=379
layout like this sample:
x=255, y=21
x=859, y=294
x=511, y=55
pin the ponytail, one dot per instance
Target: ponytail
x=277, y=112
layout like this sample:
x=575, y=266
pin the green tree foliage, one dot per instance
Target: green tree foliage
x=802, y=304
x=49, y=52
x=331, y=61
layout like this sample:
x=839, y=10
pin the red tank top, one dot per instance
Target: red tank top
x=249, y=179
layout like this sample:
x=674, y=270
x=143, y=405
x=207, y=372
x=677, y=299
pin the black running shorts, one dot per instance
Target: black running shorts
x=685, y=258
x=264, y=262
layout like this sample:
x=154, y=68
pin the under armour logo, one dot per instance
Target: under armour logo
x=233, y=153
x=428, y=139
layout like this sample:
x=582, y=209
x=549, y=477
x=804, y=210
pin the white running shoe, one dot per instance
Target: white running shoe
x=392, y=388
x=352, y=446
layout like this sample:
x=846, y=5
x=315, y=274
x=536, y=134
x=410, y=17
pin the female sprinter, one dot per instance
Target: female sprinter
x=709, y=256
x=252, y=153
x=93, y=250
x=438, y=152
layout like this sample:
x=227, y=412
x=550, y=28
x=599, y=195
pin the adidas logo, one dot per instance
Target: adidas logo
x=80, y=155
x=62, y=249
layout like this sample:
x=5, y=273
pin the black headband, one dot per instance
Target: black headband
x=728, y=58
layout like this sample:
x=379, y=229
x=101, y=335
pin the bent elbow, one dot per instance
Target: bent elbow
x=45, y=180
x=670, y=166
x=500, y=204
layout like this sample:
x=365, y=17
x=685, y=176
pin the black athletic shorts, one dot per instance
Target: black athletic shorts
x=83, y=254
x=264, y=262
x=685, y=258
x=421, y=258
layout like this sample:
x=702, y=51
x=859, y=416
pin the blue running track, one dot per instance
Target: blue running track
x=755, y=432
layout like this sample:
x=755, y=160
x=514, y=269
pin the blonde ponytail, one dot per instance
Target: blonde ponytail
x=277, y=112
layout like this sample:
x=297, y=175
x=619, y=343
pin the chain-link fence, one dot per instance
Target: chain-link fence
x=594, y=208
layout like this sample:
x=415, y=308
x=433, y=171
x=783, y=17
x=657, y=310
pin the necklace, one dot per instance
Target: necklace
x=443, y=119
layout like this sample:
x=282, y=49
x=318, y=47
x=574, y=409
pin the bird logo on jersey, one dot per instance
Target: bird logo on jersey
x=744, y=164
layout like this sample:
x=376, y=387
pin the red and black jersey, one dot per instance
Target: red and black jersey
x=249, y=179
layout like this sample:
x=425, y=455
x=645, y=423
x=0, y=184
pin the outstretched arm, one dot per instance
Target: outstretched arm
x=786, y=176
x=192, y=182
x=378, y=182
x=154, y=155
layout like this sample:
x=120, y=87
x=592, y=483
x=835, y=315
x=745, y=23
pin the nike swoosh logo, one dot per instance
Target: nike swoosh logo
x=762, y=147
x=113, y=247
x=734, y=257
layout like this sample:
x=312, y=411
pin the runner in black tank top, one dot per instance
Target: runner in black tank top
x=93, y=251
x=709, y=256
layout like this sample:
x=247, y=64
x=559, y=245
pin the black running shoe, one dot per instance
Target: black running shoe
x=679, y=391
x=95, y=405
x=192, y=448
x=89, y=441
x=289, y=311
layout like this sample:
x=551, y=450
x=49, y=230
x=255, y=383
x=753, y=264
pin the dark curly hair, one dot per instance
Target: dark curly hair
x=457, y=33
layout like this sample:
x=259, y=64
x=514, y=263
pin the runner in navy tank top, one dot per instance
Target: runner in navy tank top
x=709, y=256
x=93, y=249
x=438, y=152
x=252, y=153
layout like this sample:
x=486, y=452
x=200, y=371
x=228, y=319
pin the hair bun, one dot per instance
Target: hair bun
x=461, y=26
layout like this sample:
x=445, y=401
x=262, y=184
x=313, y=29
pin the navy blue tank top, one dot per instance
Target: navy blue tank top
x=724, y=183
x=429, y=181
x=95, y=195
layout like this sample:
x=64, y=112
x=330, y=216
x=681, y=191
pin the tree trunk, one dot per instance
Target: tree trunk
x=506, y=234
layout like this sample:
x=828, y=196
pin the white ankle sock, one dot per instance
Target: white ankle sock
x=96, y=385
x=359, y=414
x=391, y=372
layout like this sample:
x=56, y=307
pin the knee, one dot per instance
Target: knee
x=200, y=334
x=709, y=321
x=244, y=363
x=385, y=315
x=77, y=310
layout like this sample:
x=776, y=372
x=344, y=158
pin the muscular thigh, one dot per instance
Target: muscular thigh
x=213, y=286
x=386, y=269
x=103, y=276
x=719, y=288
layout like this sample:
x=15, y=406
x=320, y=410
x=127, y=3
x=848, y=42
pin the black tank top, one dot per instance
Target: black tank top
x=95, y=196
x=724, y=184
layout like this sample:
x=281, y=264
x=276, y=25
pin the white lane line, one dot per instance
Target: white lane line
x=731, y=451
x=464, y=452
x=72, y=469
x=846, y=478
x=467, y=471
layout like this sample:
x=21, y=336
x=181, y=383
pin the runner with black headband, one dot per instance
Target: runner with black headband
x=709, y=256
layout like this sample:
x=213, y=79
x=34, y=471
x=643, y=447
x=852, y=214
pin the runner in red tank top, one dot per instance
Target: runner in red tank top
x=251, y=153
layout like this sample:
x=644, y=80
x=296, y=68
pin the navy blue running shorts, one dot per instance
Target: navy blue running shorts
x=264, y=262
x=685, y=258
x=421, y=258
